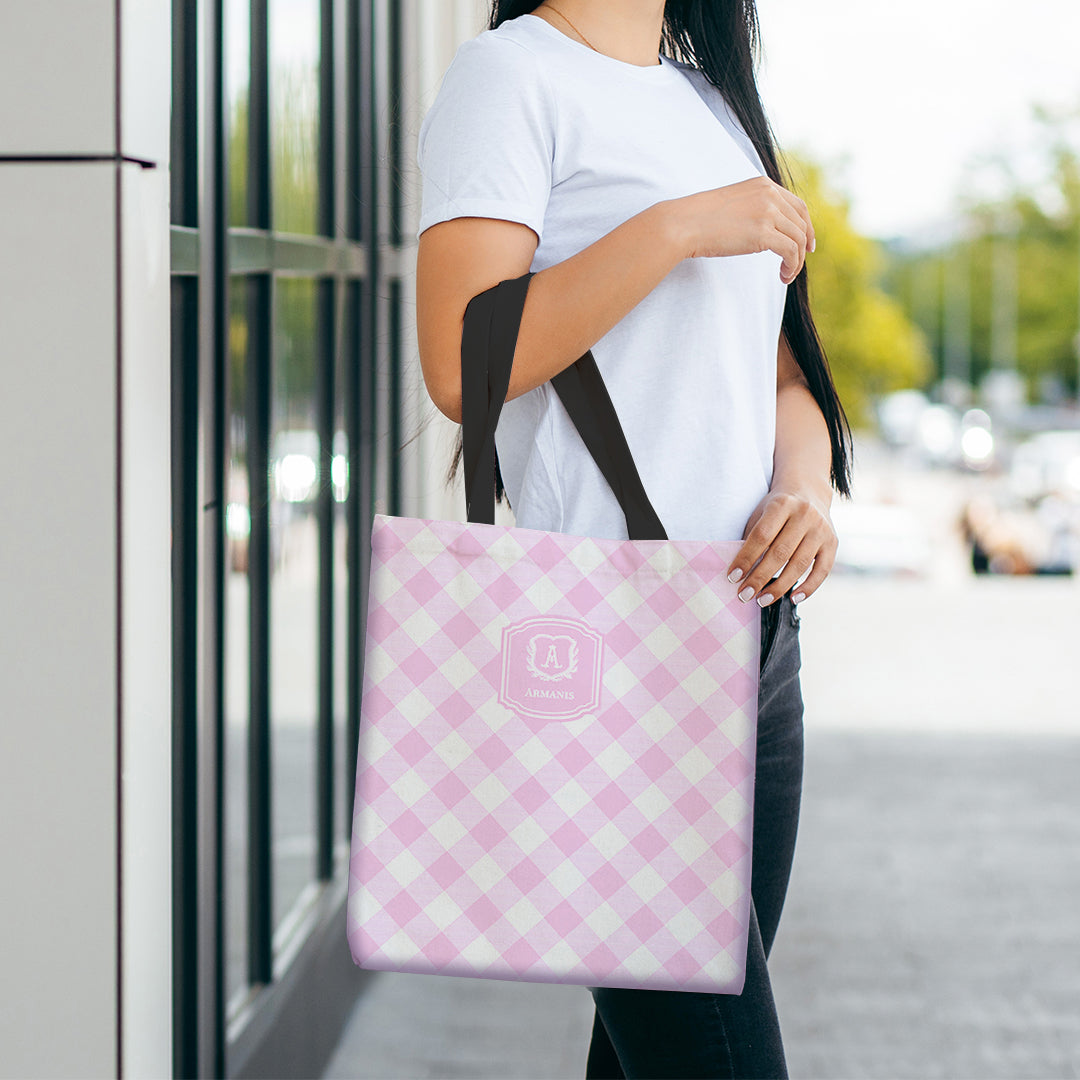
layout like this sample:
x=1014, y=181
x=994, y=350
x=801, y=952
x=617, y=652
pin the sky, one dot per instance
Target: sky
x=901, y=100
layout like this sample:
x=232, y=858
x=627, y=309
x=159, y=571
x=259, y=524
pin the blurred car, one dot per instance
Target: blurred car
x=880, y=538
x=977, y=445
x=1009, y=534
x=1047, y=462
x=939, y=434
x=898, y=416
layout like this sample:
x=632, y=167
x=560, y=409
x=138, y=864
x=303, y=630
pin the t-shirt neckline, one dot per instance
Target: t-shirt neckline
x=646, y=71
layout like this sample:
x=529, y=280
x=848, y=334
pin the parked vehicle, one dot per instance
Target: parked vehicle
x=880, y=538
x=1047, y=462
x=1032, y=524
x=938, y=434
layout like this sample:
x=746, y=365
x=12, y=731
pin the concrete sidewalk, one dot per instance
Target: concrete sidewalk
x=931, y=928
x=930, y=931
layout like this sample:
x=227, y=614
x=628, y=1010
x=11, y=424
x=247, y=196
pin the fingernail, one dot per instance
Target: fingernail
x=813, y=244
x=764, y=599
x=735, y=575
x=797, y=597
x=746, y=593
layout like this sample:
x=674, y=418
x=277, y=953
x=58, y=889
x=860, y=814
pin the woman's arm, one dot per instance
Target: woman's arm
x=571, y=305
x=568, y=307
x=791, y=524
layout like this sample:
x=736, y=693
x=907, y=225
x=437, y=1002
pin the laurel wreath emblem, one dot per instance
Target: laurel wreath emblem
x=571, y=660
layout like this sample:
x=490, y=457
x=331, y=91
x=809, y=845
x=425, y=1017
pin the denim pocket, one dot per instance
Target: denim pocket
x=770, y=625
x=793, y=612
x=779, y=614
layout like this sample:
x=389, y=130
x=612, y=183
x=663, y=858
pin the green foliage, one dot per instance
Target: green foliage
x=872, y=345
x=1030, y=237
x=294, y=138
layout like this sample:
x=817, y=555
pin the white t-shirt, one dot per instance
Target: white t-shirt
x=533, y=126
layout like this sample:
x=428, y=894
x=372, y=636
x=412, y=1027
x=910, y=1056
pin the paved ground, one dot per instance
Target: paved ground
x=931, y=926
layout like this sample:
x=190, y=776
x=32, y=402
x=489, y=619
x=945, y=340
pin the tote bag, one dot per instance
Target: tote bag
x=555, y=769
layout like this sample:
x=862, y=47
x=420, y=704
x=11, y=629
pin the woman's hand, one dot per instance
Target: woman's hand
x=745, y=218
x=791, y=529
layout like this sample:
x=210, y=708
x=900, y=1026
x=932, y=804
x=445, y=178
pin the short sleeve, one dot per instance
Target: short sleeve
x=486, y=144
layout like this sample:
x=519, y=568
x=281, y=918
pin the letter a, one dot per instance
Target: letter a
x=552, y=656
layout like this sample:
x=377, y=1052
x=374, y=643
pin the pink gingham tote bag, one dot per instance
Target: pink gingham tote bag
x=555, y=769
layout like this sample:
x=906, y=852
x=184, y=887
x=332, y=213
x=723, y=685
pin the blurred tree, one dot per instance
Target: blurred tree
x=1024, y=254
x=872, y=345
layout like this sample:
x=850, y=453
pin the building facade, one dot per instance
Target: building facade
x=211, y=383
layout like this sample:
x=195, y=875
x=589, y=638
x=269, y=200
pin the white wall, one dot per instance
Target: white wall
x=85, y=674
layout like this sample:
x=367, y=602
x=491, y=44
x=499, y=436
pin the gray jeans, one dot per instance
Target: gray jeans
x=658, y=1034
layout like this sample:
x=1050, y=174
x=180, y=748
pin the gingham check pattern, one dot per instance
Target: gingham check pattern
x=611, y=850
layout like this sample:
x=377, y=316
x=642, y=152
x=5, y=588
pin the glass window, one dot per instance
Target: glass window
x=294, y=569
x=345, y=771
x=272, y=467
x=237, y=87
x=236, y=649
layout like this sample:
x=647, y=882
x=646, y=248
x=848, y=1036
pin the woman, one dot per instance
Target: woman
x=643, y=192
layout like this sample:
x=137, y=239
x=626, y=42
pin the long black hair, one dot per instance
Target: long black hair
x=721, y=39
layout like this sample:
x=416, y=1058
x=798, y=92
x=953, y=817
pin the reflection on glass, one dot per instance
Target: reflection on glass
x=294, y=114
x=294, y=566
x=345, y=772
x=237, y=87
x=237, y=530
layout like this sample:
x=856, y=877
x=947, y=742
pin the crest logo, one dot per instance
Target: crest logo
x=551, y=668
x=560, y=656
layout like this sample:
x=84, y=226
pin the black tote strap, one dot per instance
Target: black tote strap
x=488, y=341
x=585, y=397
x=489, y=338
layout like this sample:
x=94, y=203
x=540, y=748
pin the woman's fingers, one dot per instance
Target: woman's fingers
x=823, y=565
x=769, y=544
x=799, y=207
x=789, y=224
x=788, y=249
x=756, y=542
x=766, y=579
x=750, y=216
x=789, y=538
x=791, y=218
x=800, y=561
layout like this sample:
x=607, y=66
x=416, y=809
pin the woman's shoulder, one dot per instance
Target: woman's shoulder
x=494, y=79
x=504, y=47
x=486, y=145
x=492, y=66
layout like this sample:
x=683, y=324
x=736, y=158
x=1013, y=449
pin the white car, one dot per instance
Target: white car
x=1047, y=462
x=880, y=538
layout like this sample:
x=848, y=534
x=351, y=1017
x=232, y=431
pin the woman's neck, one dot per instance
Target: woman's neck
x=628, y=30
